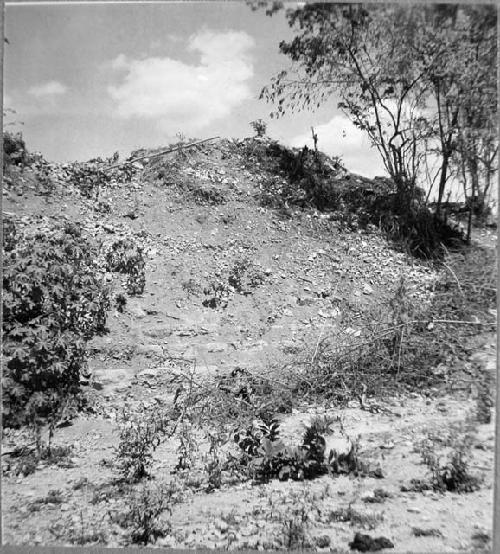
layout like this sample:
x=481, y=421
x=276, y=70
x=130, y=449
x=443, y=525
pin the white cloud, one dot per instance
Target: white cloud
x=339, y=137
x=186, y=96
x=50, y=88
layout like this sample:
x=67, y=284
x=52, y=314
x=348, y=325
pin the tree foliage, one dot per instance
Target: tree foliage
x=54, y=301
x=420, y=81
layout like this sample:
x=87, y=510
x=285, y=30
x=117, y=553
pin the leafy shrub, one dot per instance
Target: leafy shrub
x=140, y=434
x=267, y=457
x=9, y=234
x=88, y=177
x=188, y=447
x=453, y=476
x=53, y=303
x=212, y=196
x=120, y=302
x=142, y=520
x=127, y=258
x=244, y=276
x=259, y=126
x=356, y=518
x=14, y=149
x=217, y=293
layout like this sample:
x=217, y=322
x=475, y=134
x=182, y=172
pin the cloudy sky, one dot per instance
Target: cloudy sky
x=87, y=80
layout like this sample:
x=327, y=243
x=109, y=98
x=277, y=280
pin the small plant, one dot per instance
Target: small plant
x=187, y=447
x=127, y=258
x=453, y=476
x=140, y=434
x=218, y=295
x=45, y=184
x=259, y=126
x=356, y=518
x=9, y=234
x=266, y=457
x=212, y=196
x=142, y=520
x=120, y=302
x=103, y=207
x=14, y=149
x=88, y=178
x=214, y=464
x=484, y=400
x=191, y=287
x=294, y=534
x=244, y=276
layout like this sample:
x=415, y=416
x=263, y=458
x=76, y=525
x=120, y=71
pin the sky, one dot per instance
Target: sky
x=87, y=80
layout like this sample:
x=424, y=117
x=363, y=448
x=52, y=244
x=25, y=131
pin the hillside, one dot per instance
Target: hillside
x=246, y=281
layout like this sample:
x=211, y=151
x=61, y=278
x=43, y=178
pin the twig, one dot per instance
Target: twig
x=170, y=150
x=18, y=449
x=456, y=278
x=172, y=316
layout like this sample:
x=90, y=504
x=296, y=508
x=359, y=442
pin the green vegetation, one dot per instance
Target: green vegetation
x=54, y=301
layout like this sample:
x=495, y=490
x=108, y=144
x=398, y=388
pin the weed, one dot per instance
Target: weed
x=142, y=520
x=140, y=434
x=9, y=234
x=127, y=258
x=453, y=476
x=213, y=461
x=322, y=424
x=187, y=448
x=14, y=149
x=259, y=126
x=356, y=518
x=484, y=400
x=103, y=207
x=212, y=196
x=88, y=178
x=217, y=294
x=322, y=541
x=245, y=276
x=53, y=497
x=294, y=534
x=120, y=302
x=191, y=287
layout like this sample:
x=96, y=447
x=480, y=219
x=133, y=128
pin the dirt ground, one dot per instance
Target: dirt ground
x=307, y=264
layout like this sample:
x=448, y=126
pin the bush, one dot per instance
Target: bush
x=259, y=126
x=14, y=149
x=127, y=258
x=266, y=457
x=53, y=303
x=142, y=520
x=140, y=435
x=88, y=177
x=453, y=476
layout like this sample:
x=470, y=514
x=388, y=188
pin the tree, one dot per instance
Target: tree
x=362, y=54
x=477, y=139
x=403, y=74
x=462, y=81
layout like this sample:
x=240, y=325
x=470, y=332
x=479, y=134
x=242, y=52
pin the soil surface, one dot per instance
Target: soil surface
x=305, y=266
